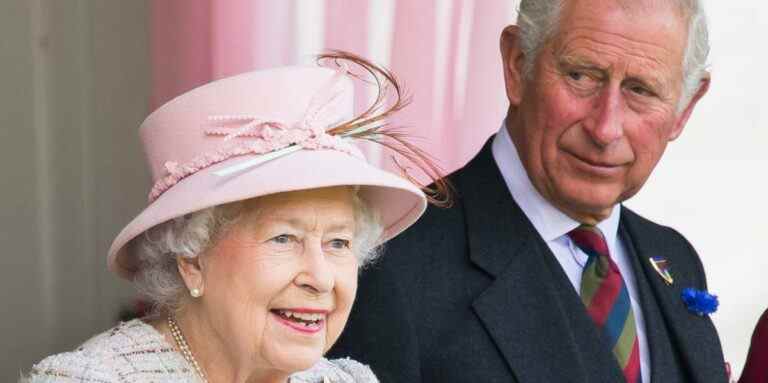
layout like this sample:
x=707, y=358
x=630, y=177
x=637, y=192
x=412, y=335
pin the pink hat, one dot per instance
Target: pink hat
x=255, y=134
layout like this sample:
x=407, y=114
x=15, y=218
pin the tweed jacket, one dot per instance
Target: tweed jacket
x=135, y=352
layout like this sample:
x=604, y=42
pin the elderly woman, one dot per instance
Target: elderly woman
x=261, y=214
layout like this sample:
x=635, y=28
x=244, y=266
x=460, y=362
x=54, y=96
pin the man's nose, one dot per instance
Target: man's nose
x=316, y=275
x=606, y=124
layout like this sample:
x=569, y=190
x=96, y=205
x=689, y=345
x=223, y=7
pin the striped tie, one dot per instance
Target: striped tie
x=605, y=295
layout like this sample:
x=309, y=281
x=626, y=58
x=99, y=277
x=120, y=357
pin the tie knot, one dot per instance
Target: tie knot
x=590, y=240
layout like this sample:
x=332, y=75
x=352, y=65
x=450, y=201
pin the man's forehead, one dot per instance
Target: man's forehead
x=594, y=48
x=635, y=7
x=600, y=34
x=659, y=34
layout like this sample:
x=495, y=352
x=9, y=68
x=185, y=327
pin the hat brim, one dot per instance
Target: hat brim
x=398, y=202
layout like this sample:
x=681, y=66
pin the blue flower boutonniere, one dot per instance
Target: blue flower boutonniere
x=699, y=302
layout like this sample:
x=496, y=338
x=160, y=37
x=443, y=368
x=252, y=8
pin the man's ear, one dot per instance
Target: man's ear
x=191, y=270
x=512, y=60
x=682, y=119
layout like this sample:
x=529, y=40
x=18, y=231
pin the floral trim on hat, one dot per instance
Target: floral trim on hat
x=270, y=136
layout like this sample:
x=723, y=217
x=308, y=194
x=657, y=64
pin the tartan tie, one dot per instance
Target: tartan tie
x=606, y=298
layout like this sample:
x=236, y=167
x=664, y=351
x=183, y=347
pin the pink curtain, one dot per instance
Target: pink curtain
x=445, y=52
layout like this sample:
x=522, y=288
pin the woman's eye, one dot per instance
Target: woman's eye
x=283, y=239
x=340, y=244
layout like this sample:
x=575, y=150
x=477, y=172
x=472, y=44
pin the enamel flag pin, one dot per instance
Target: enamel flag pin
x=662, y=268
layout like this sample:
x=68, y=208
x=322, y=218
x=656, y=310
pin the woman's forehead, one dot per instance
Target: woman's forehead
x=317, y=195
x=335, y=206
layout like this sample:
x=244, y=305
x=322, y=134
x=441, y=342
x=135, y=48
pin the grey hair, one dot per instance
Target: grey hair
x=538, y=21
x=158, y=278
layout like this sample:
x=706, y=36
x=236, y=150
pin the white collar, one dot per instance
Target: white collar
x=548, y=221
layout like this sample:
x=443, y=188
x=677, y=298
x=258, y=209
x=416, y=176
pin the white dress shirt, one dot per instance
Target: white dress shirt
x=553, y=226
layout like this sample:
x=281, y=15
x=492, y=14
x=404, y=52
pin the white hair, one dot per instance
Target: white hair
x=158, y=278
x=538, y=21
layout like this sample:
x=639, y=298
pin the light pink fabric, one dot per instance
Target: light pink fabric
x=181, y=48
x=453, y=118
x=186, y=146
x=231, y=37
x=349, y=34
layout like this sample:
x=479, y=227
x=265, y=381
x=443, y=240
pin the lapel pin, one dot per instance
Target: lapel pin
x=662, y=268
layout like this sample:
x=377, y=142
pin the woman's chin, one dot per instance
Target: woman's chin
x=293, y=360
x=293, y=350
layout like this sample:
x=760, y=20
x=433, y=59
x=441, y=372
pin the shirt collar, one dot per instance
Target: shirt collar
x=548, y=221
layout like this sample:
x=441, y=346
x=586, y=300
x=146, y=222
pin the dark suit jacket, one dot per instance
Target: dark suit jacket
x=473, y=294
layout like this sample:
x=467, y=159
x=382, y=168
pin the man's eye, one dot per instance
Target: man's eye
x=340, y=244
x=576, y=76
x=640, y=91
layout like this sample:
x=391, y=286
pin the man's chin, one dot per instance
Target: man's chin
x=588, y=209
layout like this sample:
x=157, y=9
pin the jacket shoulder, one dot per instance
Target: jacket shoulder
x=108, y=356
x=653, y=228
x=669, y=243
x=70, y=367
x=438, y=233
x=81, y=365
x=344, y=370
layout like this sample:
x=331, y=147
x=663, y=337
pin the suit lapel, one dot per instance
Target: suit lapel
x=692, y=336
x=530, y=310
x=663, y=362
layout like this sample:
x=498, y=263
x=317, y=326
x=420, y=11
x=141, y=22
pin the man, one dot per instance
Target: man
x=538, y=274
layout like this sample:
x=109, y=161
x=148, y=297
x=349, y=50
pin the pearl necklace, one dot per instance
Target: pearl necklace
x=178, y=337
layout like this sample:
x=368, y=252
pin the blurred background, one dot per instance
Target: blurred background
x=77, y=77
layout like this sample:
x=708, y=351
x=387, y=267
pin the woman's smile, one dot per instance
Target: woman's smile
x=302, y=320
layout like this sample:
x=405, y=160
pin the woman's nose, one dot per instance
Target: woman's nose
x=317, y=275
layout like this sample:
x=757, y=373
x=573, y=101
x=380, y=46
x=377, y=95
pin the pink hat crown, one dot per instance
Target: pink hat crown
x=250, y=126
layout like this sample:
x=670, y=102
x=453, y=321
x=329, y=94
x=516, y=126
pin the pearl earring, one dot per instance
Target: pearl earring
x=195, y=292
